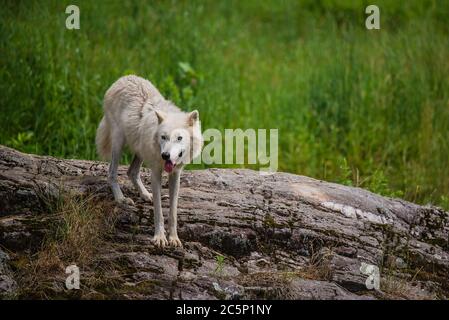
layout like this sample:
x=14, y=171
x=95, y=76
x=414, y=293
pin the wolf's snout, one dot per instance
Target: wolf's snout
x=165, y=155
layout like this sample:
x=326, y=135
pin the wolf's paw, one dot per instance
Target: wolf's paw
x=160, y=240
x=174, y=241
x=147, y=196
x=125, y=201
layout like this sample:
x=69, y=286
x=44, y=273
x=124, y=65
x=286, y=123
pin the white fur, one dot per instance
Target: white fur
x=136, y=114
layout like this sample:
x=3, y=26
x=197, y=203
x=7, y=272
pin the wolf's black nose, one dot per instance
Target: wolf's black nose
x=165, y=155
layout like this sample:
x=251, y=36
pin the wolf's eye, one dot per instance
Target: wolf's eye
x=164, y=137
x=179, y=138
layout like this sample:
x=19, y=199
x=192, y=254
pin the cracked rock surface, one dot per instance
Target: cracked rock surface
x=245, y=236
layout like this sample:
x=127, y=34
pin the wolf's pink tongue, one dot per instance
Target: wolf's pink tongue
x=168, y=166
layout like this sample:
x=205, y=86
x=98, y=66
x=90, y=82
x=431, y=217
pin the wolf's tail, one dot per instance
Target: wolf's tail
x=103, y=139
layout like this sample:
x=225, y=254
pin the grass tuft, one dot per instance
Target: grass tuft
x=75, y=235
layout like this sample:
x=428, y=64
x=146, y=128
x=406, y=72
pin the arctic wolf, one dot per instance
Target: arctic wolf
x=156, y=131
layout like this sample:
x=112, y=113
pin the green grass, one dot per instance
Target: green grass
x=366, y=108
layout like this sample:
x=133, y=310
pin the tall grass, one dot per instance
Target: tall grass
x=367, y=108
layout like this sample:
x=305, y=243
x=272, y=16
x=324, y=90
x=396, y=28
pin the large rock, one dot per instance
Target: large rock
x=245, y=235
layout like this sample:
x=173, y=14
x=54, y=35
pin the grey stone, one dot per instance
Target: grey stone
x=281, y=236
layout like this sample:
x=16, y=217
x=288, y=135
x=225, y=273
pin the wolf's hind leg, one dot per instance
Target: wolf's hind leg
x=134, y=175
x=117, y=146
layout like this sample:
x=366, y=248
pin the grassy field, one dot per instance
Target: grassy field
x=359, y=107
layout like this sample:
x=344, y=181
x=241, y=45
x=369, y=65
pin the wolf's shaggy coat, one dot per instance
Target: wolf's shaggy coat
x=156, y=131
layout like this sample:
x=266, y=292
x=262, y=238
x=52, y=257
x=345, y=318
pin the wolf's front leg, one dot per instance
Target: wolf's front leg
x=173, y=184
x=159, y=238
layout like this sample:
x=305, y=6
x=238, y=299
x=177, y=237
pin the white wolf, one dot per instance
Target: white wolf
x=136, y=114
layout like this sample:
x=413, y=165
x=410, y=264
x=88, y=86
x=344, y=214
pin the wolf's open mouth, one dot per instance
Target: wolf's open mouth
x=168, y=167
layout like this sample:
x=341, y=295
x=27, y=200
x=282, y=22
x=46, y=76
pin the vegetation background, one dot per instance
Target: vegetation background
x=362, y=107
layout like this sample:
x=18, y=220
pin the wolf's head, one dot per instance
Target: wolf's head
x=179, y=138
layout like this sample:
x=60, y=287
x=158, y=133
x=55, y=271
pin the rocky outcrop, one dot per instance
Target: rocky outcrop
x=245, y=235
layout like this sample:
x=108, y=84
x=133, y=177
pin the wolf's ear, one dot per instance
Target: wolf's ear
x=193, y=117
x=160, y=116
